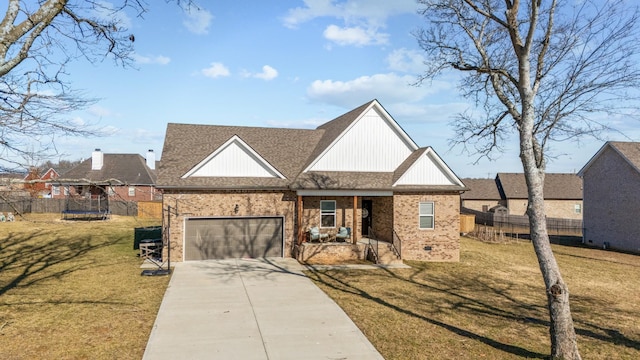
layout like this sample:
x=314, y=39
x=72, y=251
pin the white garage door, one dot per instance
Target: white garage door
x=235, y=237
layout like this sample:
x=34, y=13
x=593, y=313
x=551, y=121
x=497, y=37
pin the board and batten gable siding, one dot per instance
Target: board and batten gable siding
x=611, y=202
x=234, y=159
x=427, y=170
x=372, y=144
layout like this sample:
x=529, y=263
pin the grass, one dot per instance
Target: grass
x=73, y=290
x=492, y=304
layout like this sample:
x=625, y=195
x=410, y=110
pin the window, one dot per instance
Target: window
x=132, y=191
x=111, y=191
x=426, y=215
x=577, y=208
x=66, y=191
x=55, y=190
x=327, y=213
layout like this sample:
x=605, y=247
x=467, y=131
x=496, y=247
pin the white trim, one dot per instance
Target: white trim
x=344, y=193
x=334, y=214
x=431, y=154
x=242, y=144
x=432, y=215
x=184, y=228
x=384, y=115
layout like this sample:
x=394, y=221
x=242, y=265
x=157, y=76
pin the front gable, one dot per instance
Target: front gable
x=234, y=158
x=373, y=142
x=428, y=169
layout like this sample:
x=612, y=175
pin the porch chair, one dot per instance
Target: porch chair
x=343, y=234
x=315, y=234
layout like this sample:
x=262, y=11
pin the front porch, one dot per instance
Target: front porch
x=365, y=250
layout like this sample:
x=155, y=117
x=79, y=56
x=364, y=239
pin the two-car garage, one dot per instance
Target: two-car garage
x=233, y=237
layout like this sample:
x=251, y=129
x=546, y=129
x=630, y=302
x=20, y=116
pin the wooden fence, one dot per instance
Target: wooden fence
x=37, y=205
x=514, y=225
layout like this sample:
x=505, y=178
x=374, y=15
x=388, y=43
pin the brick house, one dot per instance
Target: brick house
x=611, y=197
x=128, y=177
x=562, y=194
x=235, y=191
x=483, y=195
x=40, y=185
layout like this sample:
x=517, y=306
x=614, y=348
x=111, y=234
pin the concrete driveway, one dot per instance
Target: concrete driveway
x=251, y=309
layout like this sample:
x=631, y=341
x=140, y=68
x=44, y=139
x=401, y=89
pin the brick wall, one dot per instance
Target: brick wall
x=383, y=218
x=561, y=209
x=330, y=253
x=221, y=204
x=344, y=213
x=612, y=203
x=439, y=244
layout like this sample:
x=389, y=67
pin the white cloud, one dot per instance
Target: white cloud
x=216, y=70
x=391, y=87
x=198, y=20
x=109, y=130
x=408, y=61
x=99, y=111
x=371, y=11
x=268, y=73
x=158, y=59
x=355, y=36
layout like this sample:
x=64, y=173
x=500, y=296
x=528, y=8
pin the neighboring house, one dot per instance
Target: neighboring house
x=128, y=177
x=483, y=195
x=39, y=186
x=562, y=194
x=12, y=184
x=236, y=191
x=612, y=197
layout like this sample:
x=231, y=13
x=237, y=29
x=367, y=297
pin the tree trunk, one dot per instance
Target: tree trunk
x=563, y=336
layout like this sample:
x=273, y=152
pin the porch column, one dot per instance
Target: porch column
x=354, y=230
x=299, y=221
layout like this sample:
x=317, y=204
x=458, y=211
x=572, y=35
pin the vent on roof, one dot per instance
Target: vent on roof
x=97, y=159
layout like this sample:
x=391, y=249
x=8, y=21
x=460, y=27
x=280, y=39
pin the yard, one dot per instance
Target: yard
x=492, y=304
x=73, y=290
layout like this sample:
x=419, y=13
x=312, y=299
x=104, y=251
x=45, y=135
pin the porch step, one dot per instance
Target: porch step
x=386, y=256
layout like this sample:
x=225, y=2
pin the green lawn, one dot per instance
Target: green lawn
x=492, y=304
x=73, y=290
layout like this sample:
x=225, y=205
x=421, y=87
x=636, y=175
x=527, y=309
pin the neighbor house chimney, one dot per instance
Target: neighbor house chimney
x=151, y=159
x=97, y=159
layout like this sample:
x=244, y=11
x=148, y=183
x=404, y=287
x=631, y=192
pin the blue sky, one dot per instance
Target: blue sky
x=278, y=64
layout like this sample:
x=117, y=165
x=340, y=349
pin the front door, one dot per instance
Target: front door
x=367, y=207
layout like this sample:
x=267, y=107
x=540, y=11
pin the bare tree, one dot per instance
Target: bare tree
x=541, y=70
x=37, y=42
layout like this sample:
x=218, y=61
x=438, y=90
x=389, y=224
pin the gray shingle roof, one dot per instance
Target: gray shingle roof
x=130, y=169
x=556, y=186
x=289, y=151
x=480, y=189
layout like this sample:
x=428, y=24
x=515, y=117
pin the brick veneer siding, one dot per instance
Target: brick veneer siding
x=382, y=217
x=443, y=240
x=562, y=209
x=612, y=203
x=222, y=204
x=478, y=205
x=344, y=213
x=330, y=253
